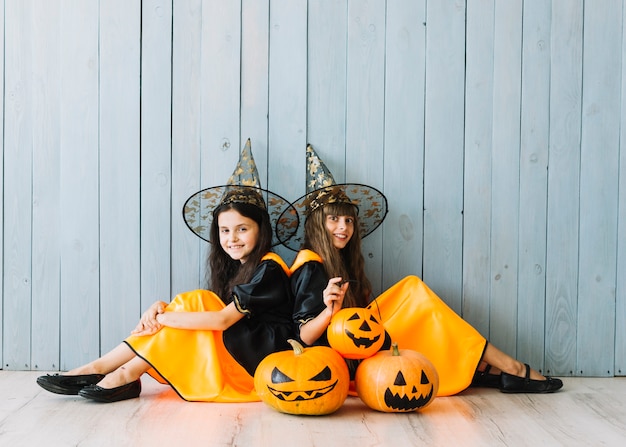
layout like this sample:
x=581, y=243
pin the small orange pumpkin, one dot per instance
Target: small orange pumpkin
x=397, y=380
x=312, y=381
x=355, y=333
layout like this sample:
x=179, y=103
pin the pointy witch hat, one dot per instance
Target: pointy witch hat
x=243, y=186
x=321, y=189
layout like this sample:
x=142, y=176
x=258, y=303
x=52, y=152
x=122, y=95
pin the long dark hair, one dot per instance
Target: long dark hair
x=225, y=272
x=347, y=262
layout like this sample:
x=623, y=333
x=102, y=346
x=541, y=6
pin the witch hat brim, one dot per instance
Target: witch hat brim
x=243, y=186
x=198, y=211
x=371, y=204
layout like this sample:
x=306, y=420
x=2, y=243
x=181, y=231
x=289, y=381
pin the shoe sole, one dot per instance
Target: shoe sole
x=56, y=389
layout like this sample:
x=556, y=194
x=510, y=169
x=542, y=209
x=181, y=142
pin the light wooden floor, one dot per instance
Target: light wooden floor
x=587, y=412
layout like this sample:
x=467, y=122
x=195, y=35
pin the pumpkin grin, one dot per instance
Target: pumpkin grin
x=362, y=341
x=293, y=396
x=406, y=403
x=302, y=385
x=356, y=333
x=397, y=380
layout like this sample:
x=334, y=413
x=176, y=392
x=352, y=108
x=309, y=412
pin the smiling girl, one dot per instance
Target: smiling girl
x=206, y=344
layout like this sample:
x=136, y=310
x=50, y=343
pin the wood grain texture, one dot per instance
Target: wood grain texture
x=533, y=183
x=46, y=213
x=620, y=305
x=505, y=174
x=156, y=151
x=443, y=161
x=186, y=260
x=119, y=160
x=79, y=186
x=287, y=100
x=365, y=113
x=586, y=412
x=19, y=126
x=479, y=102
x=598, y=186
x=562, y=233
x=495, y=131
x=405, y=71
x=2, y=95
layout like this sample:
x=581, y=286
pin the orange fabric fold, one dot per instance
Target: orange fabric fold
x=195, y=363
x=416, y=318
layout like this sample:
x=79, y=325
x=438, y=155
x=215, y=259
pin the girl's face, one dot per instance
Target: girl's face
x=238, y=234
x=340, y=229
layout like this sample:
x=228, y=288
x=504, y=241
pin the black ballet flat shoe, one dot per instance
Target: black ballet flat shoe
x=482, y=379
x=515, y=384
x=129, y=391
x=70, y=385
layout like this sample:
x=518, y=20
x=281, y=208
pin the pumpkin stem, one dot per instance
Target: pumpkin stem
x=297, y=347
x=394, y=349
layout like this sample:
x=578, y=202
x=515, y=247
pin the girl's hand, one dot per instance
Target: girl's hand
x=148, y=324
x=333, y=294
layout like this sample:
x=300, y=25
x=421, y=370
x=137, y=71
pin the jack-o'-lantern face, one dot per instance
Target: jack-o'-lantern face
x=397, y=381
x=403, y=396
x=310, y=381
x=356, y=333
x=285, y=388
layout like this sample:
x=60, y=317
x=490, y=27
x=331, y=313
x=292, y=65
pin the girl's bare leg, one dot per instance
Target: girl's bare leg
x=126, y=373
x=504, y=362
x=110, y=361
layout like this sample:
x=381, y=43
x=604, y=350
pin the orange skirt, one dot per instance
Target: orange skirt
x=416, y=318
x=195, y=363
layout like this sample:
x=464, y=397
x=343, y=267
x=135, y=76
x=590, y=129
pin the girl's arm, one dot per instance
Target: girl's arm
x=211, y=320
x=333, y=299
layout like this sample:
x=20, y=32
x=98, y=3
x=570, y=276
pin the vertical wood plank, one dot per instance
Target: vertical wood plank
x=505, y=174
x=254, y=80
x=365, y=113
x=220, y=69
x=186, y=143
x=2, y=43
x=598, y=189
x=563, y=186
x=120, y=275
x=443, y=163
x=47, y=218
x=478, y=149
x=80, y=287
x=620, y=289
x=156, y=150
x=18, y=153
x=405, y=60
x=534, y=142
x=326, y=89
x=287, y=100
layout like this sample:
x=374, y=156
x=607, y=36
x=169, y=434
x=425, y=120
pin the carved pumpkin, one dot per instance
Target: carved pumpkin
x=355, y=333
x=311, y=380
x=397, y=380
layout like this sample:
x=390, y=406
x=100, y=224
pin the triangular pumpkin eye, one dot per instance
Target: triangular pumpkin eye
x=373, y=318
x=399, y=379
x=424, y=380
x=280, y=377
x=354, y=316
x=325, y=374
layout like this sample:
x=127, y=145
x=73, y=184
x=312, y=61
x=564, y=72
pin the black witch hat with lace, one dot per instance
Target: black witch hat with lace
x=321, y=189
x=243, y=186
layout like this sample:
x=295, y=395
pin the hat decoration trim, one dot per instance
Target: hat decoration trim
x=243, y=186
x=370, y=203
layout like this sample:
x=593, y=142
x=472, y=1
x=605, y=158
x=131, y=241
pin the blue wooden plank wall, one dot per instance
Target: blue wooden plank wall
x=496, y=130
